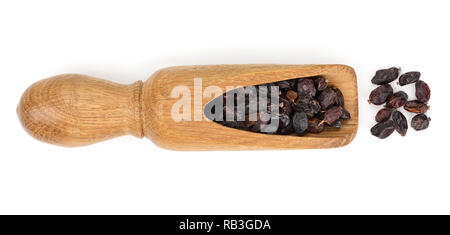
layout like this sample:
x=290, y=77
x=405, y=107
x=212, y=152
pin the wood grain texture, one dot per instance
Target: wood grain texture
x=75, y=110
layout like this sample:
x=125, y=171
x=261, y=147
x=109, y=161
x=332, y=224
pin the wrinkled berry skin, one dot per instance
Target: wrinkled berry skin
x=383, y=130
x=385, y=76
x=283, y=85
x=415, y=106
x=380, y=94
x=291, y=95
x=321, y=83
x=285, y=106
x=285, y=125
x=383, y=115
x=337, y=124
x=345, y=114
x=284, y=120
x=332, y=114
x=408, y=78
x=422, y=91
x=327, y=98
x=400, y=123
x=314, y=126
x=306, y=87
x=309, y=106
x=420, y=122
x=339, y=96
x=300, y=122
x=397, y=100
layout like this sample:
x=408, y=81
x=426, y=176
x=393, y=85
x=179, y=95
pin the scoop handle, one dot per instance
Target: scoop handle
x=76, y=110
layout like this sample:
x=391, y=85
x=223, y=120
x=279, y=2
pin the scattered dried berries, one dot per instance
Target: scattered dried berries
x=420, y=122
x=389, y=118
x=385, y=76
x=380, y=94
x=306, y=105
x=408, y=78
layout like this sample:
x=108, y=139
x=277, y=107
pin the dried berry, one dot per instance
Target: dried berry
x=292, y=83
x=285, y=106
x=332, y=114
x=385, y=76
x=285, y=125
x=400, y=123
x=383, y=115
x=420, y=122
x=422, y=91
x=314, y=125
x=287, y=130
x=383, y=130
x=345, y=114
x=327, y=98
x=380, y=94
x=321, y=83
x=300, y=122
x=336, y=124
x=309, y=106
x=415, y=106
x=284, y=120
x=306, y=87
x=408, y=78
x=291, y=95
x=339, y=96
x=397, y=100
x=283, y=85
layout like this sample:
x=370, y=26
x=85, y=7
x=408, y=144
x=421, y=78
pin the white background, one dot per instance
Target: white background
x=125, y=41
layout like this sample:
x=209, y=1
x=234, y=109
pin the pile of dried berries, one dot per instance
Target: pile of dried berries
x=389, y=118
x=301, y=105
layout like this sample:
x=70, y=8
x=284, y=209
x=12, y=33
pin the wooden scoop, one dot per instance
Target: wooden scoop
x=76, y=110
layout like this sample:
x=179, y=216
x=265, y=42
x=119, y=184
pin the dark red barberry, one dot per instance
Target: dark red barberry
x=415, y=106
x=380, y=94
x=420, y=122
x=383, y=130
x=422, y=91
x=408, y=78
x=397, y=100
x=385, y=76
x=400, y=123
